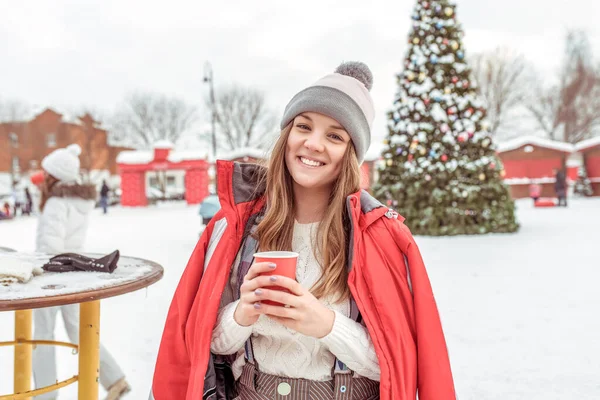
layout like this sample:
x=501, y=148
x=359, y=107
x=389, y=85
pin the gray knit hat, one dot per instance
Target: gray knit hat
x=343, y=96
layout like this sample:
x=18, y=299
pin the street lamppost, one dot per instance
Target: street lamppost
x=208, y=78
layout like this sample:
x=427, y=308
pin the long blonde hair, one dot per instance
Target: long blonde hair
x=276, y=230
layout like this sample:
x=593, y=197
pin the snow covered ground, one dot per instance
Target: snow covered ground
x=521, y=312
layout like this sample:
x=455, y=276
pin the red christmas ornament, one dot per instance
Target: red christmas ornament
x=471, y=134
x=445, y=41
x=470, y=110
x=426, y=5
x=410, y=157
x=426, y=101
x=454, y=79
x=451, y=111
x=493, y=165
x=444, y=158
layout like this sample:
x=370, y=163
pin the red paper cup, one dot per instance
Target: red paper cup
x=286, y=266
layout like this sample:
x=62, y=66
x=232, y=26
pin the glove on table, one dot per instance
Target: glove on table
x=68, y=262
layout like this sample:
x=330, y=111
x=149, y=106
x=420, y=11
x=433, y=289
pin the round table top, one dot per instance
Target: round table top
x=60, y=288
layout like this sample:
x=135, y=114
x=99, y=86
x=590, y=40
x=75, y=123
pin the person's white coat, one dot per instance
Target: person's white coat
x=62, y=227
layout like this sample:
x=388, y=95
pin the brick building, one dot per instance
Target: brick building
x=23, y=145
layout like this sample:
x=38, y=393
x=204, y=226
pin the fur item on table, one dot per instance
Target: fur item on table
x=15, y=270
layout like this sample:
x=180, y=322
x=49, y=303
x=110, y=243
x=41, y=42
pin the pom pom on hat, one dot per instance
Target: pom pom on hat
x=357, y=70
x=63, y=164
x=75, y=149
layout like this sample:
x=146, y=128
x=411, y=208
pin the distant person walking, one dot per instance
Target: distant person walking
x=28, y=202
x=560, y=186
x=535, y=191
x=104, y=190
x=17, y=200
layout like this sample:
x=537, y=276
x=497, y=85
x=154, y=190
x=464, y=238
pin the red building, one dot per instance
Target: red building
x=369, y=172
x=134, y=166
x=590, y=154
x=530, y=160
x=23, y=144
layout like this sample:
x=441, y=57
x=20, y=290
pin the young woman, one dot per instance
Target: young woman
x=65, y=207
x=359, y=321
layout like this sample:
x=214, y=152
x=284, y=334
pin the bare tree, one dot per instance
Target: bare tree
x=13, y=111
x=570, y=110
x=544, y=106
x=146, y=118
x=242, y=118
x=504, y=80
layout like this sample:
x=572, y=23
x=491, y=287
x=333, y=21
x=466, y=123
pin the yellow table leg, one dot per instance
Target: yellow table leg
x=22, y=378
x=89, y=349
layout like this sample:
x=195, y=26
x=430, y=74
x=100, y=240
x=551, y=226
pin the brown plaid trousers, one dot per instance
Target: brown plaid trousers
x=254, y=385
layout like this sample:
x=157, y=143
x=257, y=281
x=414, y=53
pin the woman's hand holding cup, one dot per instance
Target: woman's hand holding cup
x=270, y=288
x=260, y=275
x=247, y=310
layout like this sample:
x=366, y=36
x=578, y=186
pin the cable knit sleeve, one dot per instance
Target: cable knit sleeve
x=350, y=342
x=228, y=336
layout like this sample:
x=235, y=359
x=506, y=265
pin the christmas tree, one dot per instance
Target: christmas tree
x=583, y=186
x=440, y=169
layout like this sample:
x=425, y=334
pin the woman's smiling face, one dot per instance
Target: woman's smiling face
x=315, y=150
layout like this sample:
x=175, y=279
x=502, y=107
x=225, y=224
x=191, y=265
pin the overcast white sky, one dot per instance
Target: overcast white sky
x=71, y=53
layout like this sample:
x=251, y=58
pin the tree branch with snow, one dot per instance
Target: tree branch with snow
x=242, y=118
x=145, y=118
x=504, y=80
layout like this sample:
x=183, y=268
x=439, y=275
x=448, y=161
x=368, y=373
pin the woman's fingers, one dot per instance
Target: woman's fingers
x=278, y=296
x=262, y=281
x=258, y=268
x=288, y=313
x=290, y=284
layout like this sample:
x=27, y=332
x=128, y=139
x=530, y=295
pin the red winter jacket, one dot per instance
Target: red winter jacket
x=387, y=280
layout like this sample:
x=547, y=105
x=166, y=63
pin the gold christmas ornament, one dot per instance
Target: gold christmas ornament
x=422, y=76
x=455, y=45
x=416, y=40
x=447, y=90
x=449, y=11
x=386, y=141
x=389, y=162
x=422, y=151
x=482, y=177
x=503, y=173
x=411, y=76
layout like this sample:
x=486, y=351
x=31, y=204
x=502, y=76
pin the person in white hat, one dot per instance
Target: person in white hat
x=65, y=207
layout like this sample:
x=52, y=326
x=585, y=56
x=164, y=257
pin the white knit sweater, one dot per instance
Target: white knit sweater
x=281, y=351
